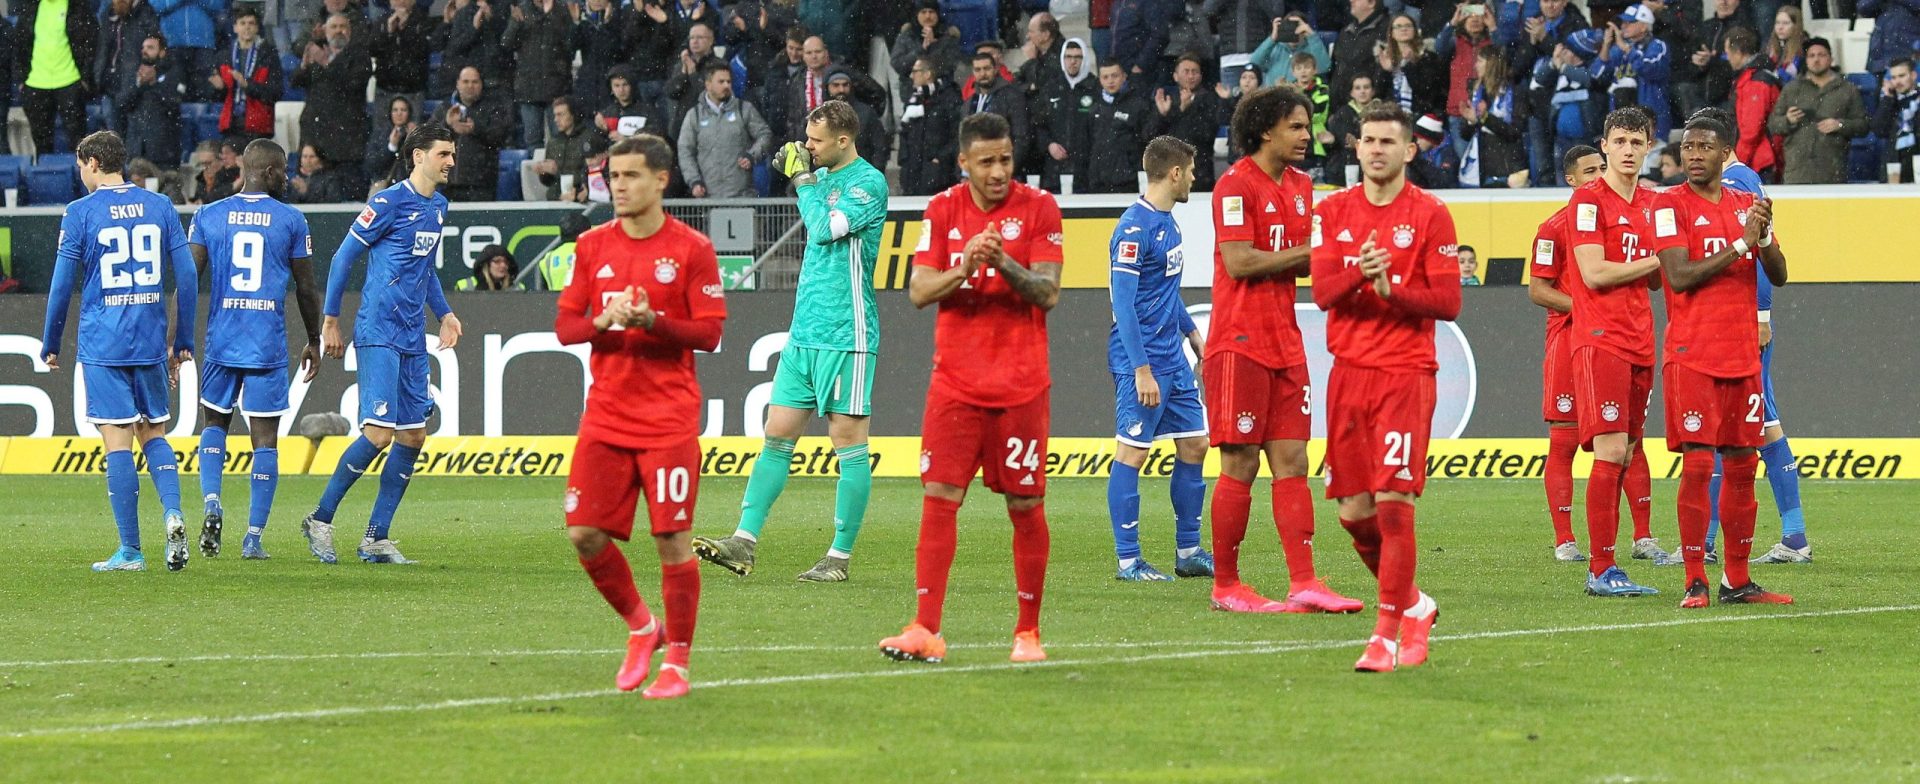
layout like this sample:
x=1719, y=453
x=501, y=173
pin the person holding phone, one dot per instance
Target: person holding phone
x=1290, y=34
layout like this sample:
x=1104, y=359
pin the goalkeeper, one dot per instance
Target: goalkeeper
x=828, y=363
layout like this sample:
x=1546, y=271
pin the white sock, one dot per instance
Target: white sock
x=741, y=533
x=1128, y=562
x=1187, y=552
x=832, y=553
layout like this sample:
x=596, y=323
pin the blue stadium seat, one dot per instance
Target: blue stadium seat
x=50, y=184
x=17, y=164
x=978, y=20
x=508, y=187
x=1869, y=90
x=510, y=158
x=762, y=178
x=432, y=108
x=12, y=179
x=1863, y=160
x=288, y=64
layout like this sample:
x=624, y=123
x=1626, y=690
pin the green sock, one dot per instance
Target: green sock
x=850, y=498
x=769, y=477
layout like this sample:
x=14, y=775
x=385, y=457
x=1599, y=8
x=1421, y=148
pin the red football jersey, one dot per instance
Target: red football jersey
x=1552, y=255
x=1416, y=229
x=990, y=343
x=1254, y=317
x=1617, y=320
x=644, y=392
x=1714, y=328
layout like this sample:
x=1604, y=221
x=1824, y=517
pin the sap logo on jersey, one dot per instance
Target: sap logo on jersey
x=423, y=242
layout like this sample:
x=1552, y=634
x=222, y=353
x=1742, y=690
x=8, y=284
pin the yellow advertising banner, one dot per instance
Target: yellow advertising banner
x=82, y=456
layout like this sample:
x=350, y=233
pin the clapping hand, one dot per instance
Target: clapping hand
x=1163, y=101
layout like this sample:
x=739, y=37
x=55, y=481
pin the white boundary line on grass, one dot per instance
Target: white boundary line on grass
x=474, y=702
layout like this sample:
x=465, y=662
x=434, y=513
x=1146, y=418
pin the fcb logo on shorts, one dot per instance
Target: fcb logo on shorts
x=1403, y=236
x=572, y=501
x=665, y=270
x=1610, y=411
x=1563, y=403
x=1245, y=423
x=926, y=461
x=1691, y=421
x=1010, y=229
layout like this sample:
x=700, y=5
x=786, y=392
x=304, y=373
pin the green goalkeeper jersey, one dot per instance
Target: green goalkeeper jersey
x=844, y=213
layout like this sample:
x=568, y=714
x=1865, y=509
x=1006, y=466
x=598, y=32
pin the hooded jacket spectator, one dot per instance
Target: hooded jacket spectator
x=1062, y=113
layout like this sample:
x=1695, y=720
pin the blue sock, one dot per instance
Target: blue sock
x=213, y=464
x=1189, y=493
x=1713, y=501
x=266, y=479
x=353, y=463
x=123, y=493
x=1123, y=509
x=165, y=472
x=1784, y=475
x=393, y=485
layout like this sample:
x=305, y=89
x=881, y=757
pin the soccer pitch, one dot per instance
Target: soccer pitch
x=494, y=658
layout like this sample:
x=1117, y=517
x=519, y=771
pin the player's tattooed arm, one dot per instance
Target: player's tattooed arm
x=1039, y=285
x=306, y=295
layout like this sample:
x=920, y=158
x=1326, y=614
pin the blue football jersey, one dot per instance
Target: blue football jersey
x=1742, y=177
x=119, y=239
x=1146, y=253
x=399, y=230
x=251, y=241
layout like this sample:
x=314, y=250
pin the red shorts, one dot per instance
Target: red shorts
x=1250, y=403
x=1008, y=446
x=1611, y=395
x=1378, y=424
x=607, y=480
x=1556, y=380
x=1703, y=409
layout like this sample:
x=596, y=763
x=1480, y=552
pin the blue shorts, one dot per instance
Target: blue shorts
x=1766, y=386
x=1179, y=415
x=261, y=392
x=125, y=394
x=393, y=388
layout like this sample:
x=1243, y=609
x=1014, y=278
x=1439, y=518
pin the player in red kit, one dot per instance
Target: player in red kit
x=1385, y=268
x=1707, y=238
x=1259, y=398
x=1548, y=289
x=646, y=296
x=1613, y=333
x=989, y=254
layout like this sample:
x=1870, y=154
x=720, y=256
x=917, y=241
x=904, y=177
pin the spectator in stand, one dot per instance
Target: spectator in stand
x=687, y=83
x=807, y=89
x=874, y=143
x=776, y=90
x=1344, y=129
x=191, y=30
x=994, y=94
x=687, y=13
x=1469, y=266
x=722, y=136
x=249, y=81
x=51, y=62
x=1115, y=133
x=1538, y=35
x=990, y=48
x=1291, y=35
x=1701, y=77
x=217, y=173
x=1670, y=172
x=321, y=182
x=1435, y=166
x=599, y=37
x=1062, y=113
x=1307, y=80
x=1191, y=35
x=1896, y=32
x=1756, y=89
x=1560, y=118
x=1492, y=142
x=1241, y=25
x=566, y=151
x=150, y=96
x=401, y=45
x=1819, y=114
x=754, y=34
x=315, y=29
x=1140, y=30
x=476, y=38
x=481, y=125
x=401, y=118
x=1043, y=53
x=1100, y=27
x=626, y=115
x=929, y=131
x=335, y=74
x=167, y=182
x=123, y=26
x=928, y=36
x=1786, y=48
x=1191, y=113
x=1633, y=67
x=1458, y=44
x=1354, y=53
x=1897, y=118
x=832, y=21
x=540, y=34
x=494, y=270
x=653, y=38
x=1408, y=72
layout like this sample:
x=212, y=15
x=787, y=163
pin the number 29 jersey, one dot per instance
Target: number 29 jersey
x=121, y=238
x=251, y=239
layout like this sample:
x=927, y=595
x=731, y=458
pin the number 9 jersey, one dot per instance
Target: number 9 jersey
x=251, y=239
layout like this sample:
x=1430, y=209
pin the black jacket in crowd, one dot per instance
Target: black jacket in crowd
x=1063, y=115
x=477, y=155
x=152, y=112
x=480, y=47
x=1008, y=100
x=335, y=119
x=652, y=45
x=1115, y=140
x=1196, y=125
x=118, y=52
x=401, y=56
x=602, y=44
x=929, y=139
x=543, y=47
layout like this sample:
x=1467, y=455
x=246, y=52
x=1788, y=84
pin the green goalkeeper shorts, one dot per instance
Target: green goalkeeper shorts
x=824, y=381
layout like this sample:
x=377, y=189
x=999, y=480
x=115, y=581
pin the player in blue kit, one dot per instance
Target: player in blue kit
x=120, y=238
x=1155, y=393
x=399, y=230
x=248, y=245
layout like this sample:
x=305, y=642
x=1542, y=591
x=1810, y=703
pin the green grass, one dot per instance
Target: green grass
x=500, y=612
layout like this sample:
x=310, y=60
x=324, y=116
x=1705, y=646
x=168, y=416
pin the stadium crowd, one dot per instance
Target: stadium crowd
x=1501, y=89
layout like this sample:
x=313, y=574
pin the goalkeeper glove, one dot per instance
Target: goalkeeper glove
x=792, y=159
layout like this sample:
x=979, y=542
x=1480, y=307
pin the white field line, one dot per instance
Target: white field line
x=904, y=671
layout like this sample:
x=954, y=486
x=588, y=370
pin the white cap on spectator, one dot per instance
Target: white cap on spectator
x=1637, y=12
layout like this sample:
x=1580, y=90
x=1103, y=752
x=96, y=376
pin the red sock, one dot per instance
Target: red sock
x=1737, y=510
x=1293, y=515
x=933, y=558
x=1562, y=443
x=1695, y=509
x=1030, y=544
x=1398, y=557
x=1232, y=503
x=1639, y=487
x=613, y=577
x=1366, y=541
x=1603, y=515
x=680, y=592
